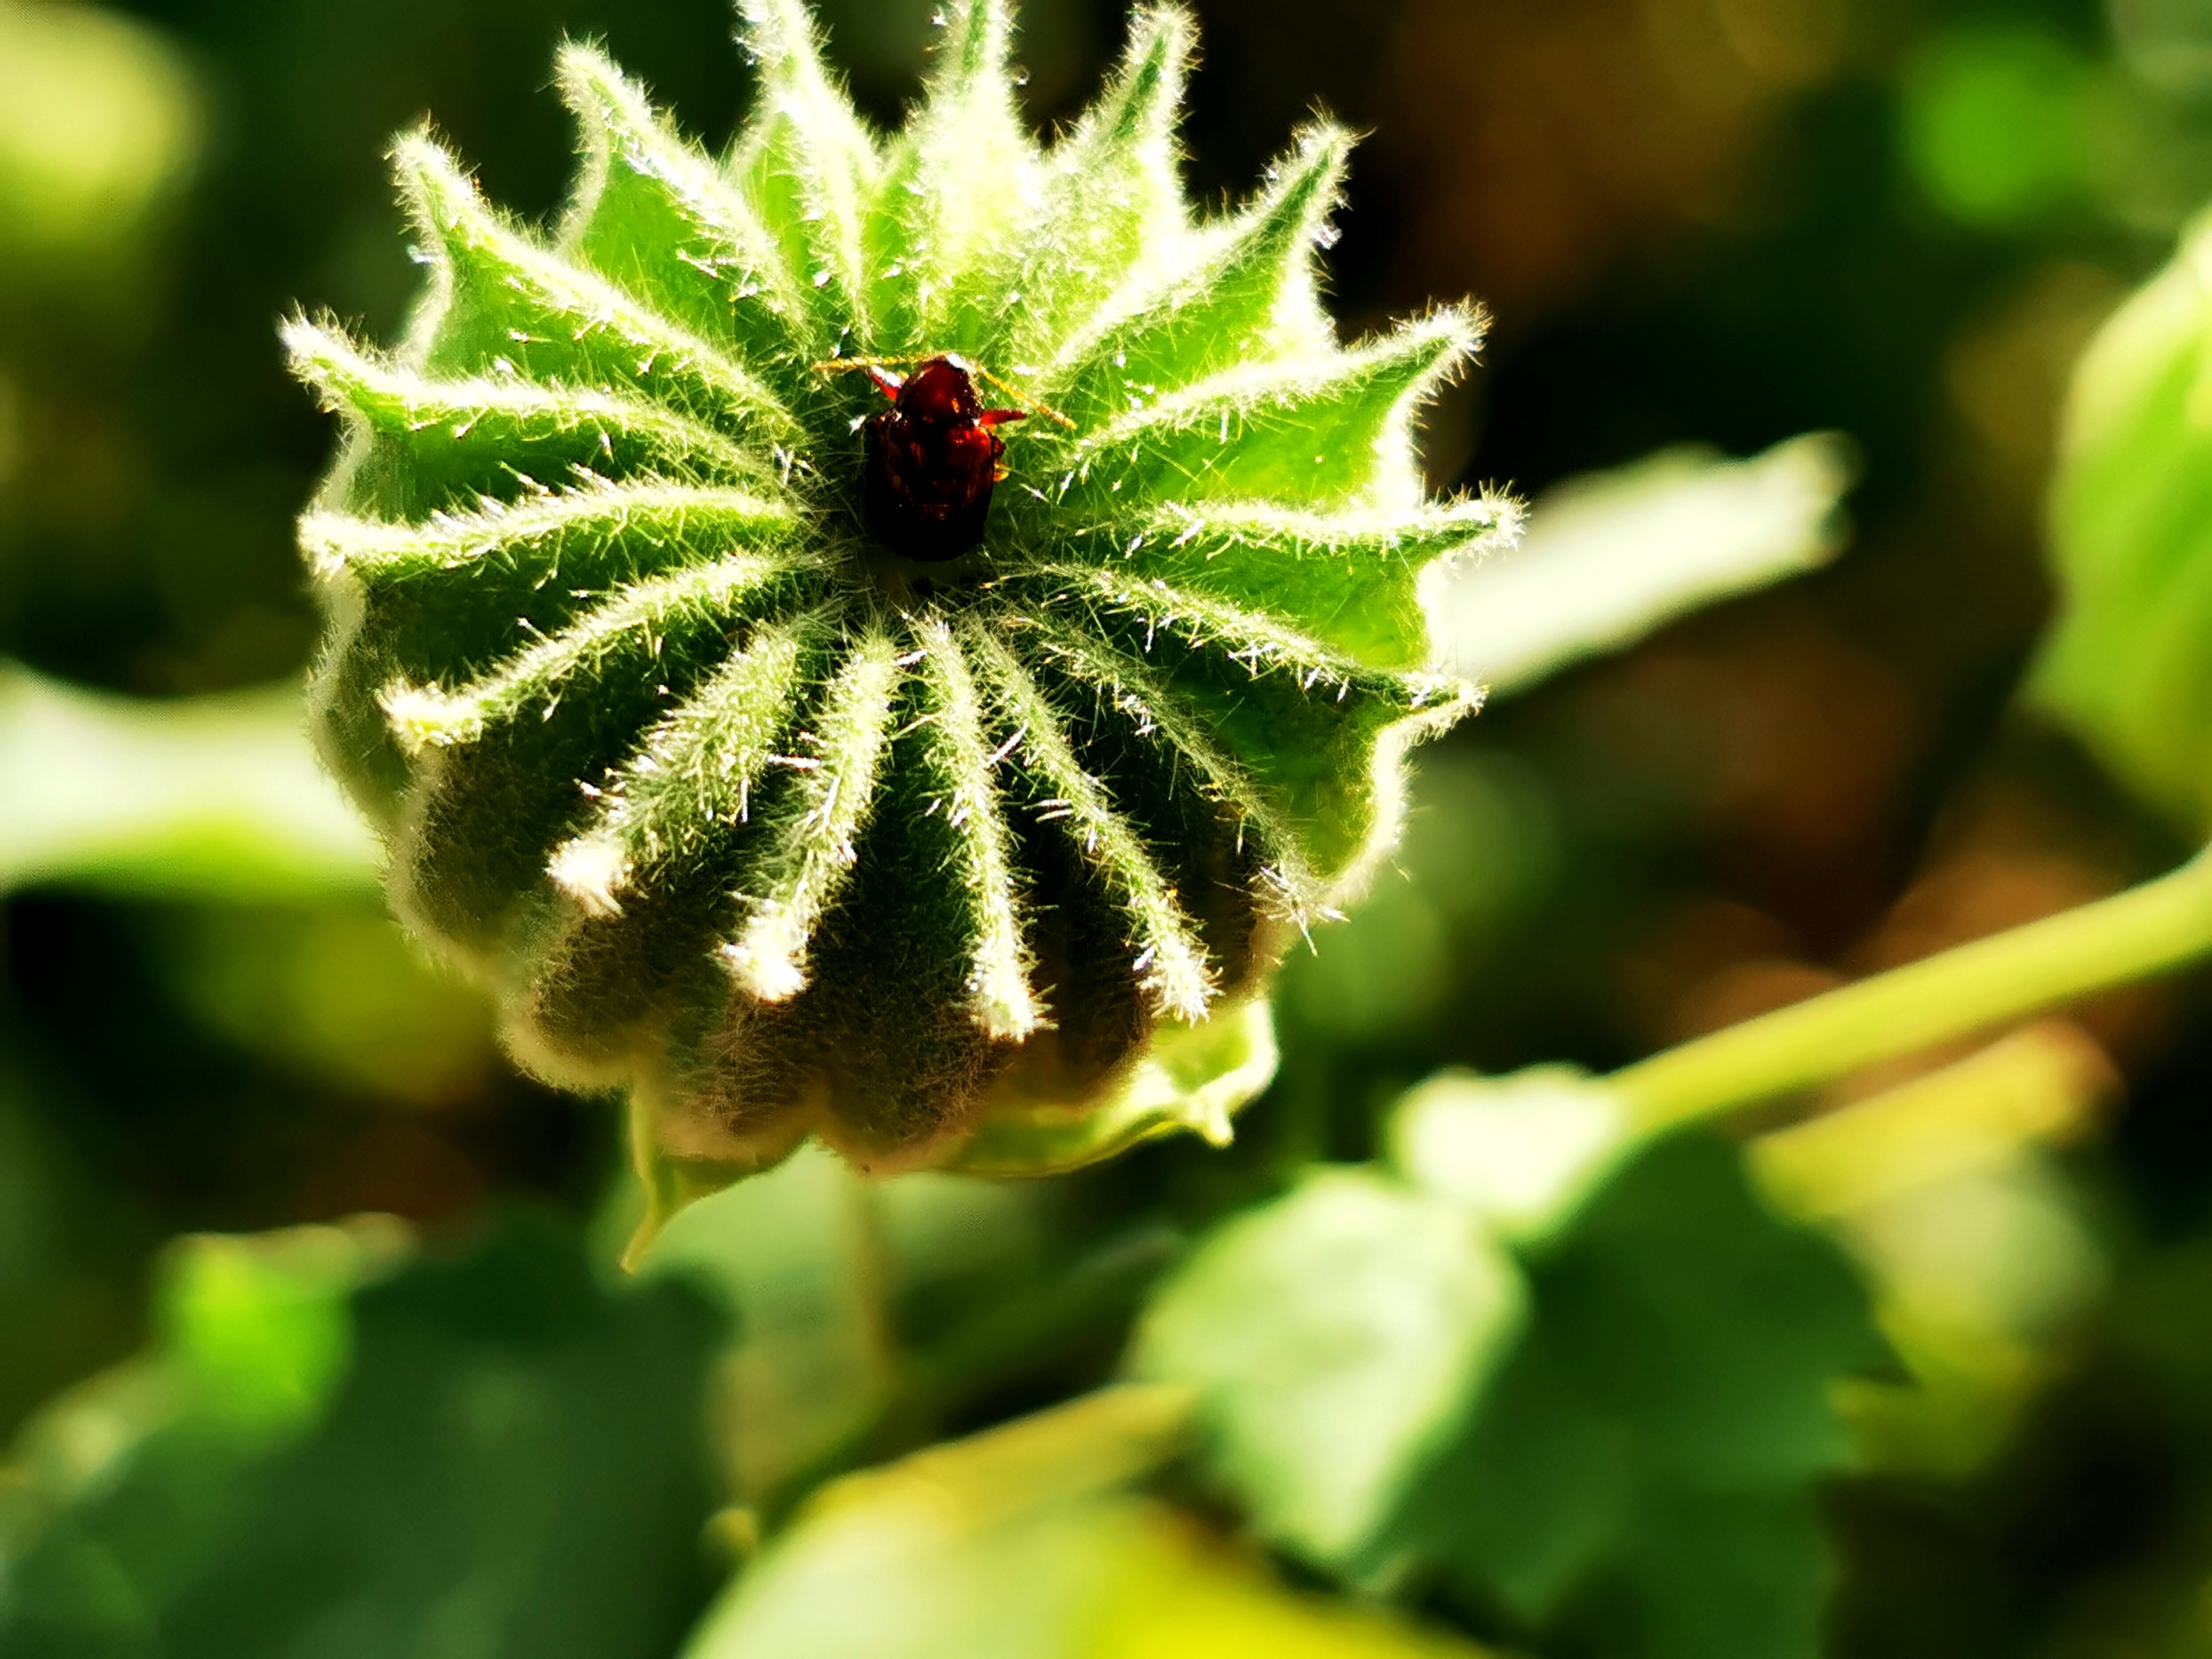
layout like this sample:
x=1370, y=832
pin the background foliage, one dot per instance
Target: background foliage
x=1706, y=223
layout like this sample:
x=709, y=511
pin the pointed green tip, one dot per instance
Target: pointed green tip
x=1315, y=178
x=979, y=38
x=439, y=192
x=308, y=343
x=1458, y=330
x=319, y=352
x=1143, y=103
x=594, y=85
x=782, y=37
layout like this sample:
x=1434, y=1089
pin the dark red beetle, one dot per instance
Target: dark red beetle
x=932, y=458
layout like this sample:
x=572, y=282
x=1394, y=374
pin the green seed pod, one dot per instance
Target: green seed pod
x=791, y=829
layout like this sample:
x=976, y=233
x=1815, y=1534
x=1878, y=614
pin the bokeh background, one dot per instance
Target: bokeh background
x=1723, y=222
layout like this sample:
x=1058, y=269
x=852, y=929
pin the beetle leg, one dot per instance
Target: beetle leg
x=1000, y=417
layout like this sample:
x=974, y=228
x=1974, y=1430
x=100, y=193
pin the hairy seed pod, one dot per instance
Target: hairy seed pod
x=977, y=849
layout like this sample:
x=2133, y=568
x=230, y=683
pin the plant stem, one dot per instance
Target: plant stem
x=2146, y=930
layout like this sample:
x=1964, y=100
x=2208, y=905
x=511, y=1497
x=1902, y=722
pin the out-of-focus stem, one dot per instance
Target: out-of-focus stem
x=2146, y=930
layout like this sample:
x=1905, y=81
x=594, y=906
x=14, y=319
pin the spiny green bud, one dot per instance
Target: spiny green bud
x=983, y=859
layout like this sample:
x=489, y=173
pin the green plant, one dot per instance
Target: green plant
x=985, y=861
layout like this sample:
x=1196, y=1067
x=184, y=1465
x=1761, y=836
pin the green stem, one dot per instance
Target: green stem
x=2130, y=936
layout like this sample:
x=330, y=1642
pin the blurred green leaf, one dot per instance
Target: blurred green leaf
x=2127, y=663
x=788, y=1255
x=1519, y=1153
x=492, y=1454
x=1982, y=1258
x=127, y=1486
x=867, y=1310
x=333, y=991
x=99, y=121
x=259, y=1330
x=1642, y=1467
x=1022, y=1543
x=1331, y=1334
x=218, y=796
x=2000, y=121
x=1610, y=557
x=1613, y=1433
x=1336, y=1333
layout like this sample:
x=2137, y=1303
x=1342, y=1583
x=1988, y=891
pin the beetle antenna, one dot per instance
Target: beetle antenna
x=878, y=370
x=837, y=365
x=1028, y=403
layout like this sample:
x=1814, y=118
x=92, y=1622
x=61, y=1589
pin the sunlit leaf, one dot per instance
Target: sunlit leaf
x=2126, y=664
x=1642, y=1468
x=219, y=796
x=1608, y=558
x=1579, y=1385
x=1520, y=1153
x=1024, y=1543
x=1332, y=1335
